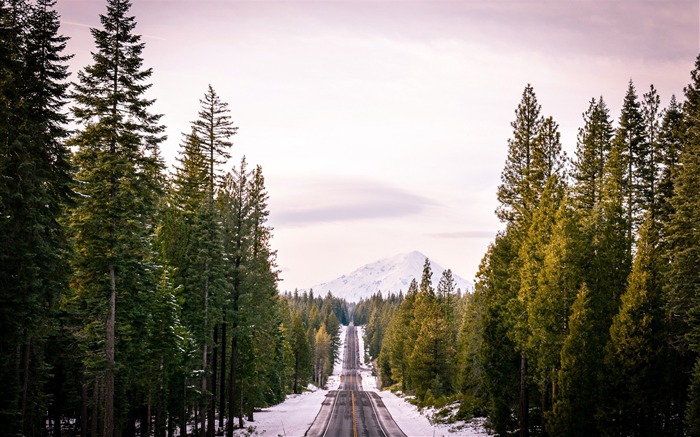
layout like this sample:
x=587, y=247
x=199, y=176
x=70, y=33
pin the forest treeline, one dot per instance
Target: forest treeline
x=134, y=301
x=585, y=317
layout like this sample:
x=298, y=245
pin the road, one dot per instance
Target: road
x=351, y=411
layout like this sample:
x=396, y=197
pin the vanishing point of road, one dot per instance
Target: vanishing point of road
x=351, y=411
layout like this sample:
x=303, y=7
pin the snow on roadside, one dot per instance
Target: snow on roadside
x=361, y=343
x=290, y=418
x=405, y=414
x=295, y=415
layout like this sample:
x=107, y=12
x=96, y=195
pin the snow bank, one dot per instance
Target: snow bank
x=361, y=344
x=290, y=418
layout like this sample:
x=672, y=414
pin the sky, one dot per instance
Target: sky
x=382, y=126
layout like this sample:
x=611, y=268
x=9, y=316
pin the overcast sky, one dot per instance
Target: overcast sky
x=382, y=126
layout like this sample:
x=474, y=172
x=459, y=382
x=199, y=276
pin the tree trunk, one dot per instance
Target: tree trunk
x=205, y=352
x=57, y=422
x=109, y=371
x=83, y=406
x=524, y=404
x=222, y=377
x=183, y=410
x=212, y=383
x=240, y=408
x=95, y=409
x=545, y=406
x=232, y=384
x=296, y=371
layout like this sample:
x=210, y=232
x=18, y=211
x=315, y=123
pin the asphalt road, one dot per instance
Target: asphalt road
x=350, y=411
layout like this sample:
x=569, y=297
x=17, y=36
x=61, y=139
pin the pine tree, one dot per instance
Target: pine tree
x=259, y=300
x=516, y=193
x=650, y=162
x=634, y=351
x=322, y=348
x=574, y=410
x=629, y=138
x=302, y=354
x=670, y=147
x=498, y=355
x=534, y=155
x=33, y=191
x=401, y=337
x=592, y=148
x=532, y=300
x=119, y=173
x=558, y=282
x=683, y=248
x=214, y=129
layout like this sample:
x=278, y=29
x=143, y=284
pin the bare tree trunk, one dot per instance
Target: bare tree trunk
x=95, y=408
x=222, y=377
x=83, y=406
x=205, y=352
x=109, y=371
x=212, y=383
x=183, y=411
x=232, y=385
x=240, y=409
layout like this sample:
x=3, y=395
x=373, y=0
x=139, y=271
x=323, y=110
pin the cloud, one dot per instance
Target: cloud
x=347, y=200
x=465, y=235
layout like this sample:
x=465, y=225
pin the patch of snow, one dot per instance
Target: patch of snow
x=361, y=343
x=290, y=418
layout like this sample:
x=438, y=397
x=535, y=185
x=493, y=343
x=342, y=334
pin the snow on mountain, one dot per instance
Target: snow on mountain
x=387, y=275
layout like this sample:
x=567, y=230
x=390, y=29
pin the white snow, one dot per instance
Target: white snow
x=389, y=275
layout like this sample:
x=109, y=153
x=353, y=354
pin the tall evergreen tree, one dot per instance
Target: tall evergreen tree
x=592, y=148
x=119, y=169
x=630, y=140
x=302, y=354
x=650, y=162
x=575, y=409
x=683, y=246
x=533, y=300
x=633, y=354
x=33, y=190
x=214, y=129
x=516, y=193
x=498, y=354
x=671, y=145
x=234, y=208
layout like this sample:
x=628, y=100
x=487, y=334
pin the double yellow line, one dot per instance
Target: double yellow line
x=354, y=417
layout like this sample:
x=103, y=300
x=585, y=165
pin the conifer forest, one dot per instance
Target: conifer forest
x=141, y=300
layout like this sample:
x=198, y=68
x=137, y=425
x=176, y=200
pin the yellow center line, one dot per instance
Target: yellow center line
x=354, y=419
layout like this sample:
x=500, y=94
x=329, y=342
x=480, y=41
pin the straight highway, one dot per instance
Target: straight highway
x=350, y=411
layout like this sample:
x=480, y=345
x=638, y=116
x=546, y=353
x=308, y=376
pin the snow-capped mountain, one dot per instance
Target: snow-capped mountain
x=387, y=275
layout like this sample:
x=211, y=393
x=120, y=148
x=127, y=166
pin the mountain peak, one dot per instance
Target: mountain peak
x=388, y=275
